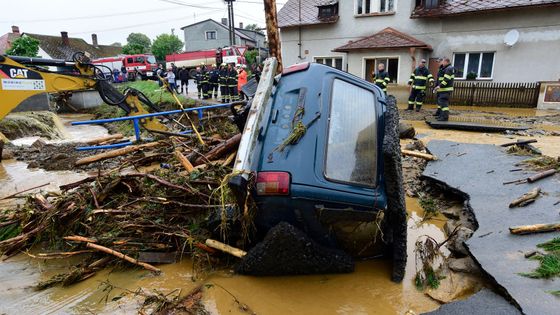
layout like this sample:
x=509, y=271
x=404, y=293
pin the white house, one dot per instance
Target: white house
x=356, y=35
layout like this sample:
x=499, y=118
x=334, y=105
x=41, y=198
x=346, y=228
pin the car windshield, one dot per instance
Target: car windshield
x=151, y=59
x=352, y=135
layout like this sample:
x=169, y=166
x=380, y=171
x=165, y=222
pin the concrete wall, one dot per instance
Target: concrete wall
x=195, y=36
x=533, y=58
x=85, y=100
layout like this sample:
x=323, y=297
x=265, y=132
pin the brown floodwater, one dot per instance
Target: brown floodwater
x=368, y=290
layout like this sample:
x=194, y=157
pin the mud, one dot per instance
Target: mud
x=288, y=251
x=485, y=300
x=44, y=124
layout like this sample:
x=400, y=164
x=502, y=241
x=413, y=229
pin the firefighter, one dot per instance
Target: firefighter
x=205, y=86
x=439, y=79
x=381, y=77
x=444, y=88
x=184, y=77
x=232, y=83
x=418, y=82
x=213, y=78
x=241, y=81
x=198, y=79
x=223, y=83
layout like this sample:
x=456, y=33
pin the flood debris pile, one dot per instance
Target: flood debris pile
x=125, y=215
x=25, y=124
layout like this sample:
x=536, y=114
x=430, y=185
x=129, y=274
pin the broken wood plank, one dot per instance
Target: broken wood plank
x=535, y=228
x=77, y=238
x=78, y=183
x=115, y=153
x=239, y=253
x=518, y=142
x=184, y=161
x=541, y=175
x=116, y=136
x=526, y=198
x=220, y=150
x=421, y=155
x=123, y=257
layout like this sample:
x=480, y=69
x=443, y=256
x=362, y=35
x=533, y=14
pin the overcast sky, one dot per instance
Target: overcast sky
x=113, y=20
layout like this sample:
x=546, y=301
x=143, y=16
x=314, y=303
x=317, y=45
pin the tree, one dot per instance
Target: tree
x=254, y=27
x=251, y=56
x=137, y=43
x=24, y=46
x=166, y=44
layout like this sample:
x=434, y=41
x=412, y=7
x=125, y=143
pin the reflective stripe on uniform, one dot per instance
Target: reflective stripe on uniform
x=445, y=109
x=447, y=89
x=419, y=77
x=419, y=87
x=449, y=77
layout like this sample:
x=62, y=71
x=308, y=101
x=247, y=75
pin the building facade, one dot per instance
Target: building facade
x=209, y=34
x=492, y=40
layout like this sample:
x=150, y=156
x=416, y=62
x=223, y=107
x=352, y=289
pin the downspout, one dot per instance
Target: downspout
x=299, y=31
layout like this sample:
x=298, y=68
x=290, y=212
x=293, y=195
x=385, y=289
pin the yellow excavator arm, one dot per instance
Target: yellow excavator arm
x=23, y=77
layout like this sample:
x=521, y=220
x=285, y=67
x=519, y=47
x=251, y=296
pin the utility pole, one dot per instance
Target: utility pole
x=231, y=22
x=272, y=31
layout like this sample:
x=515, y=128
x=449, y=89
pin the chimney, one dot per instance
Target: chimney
x=94, y=40
x=15, y=29
x=225, y=21
x=240, y=24
x=64, y=36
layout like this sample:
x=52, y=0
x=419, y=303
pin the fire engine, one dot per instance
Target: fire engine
x=141, y=66
x=193, y=59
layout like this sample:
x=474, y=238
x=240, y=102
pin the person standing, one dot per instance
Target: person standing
x=170, y=77
x=184, y=77
x=381, y=77
x=232, y=83
x=444, y=88
x=241, y=81
x=223, y=82
x=124, y=73
x=418, y=82
x=198, y=78
x=204, y=82
x=213, y=78
x=159, y=74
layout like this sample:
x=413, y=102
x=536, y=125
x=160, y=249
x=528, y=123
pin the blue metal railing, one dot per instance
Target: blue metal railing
x=136, y=122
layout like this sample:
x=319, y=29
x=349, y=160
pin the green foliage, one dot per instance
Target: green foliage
x=166, y=44
x=251, y=56
x=137, y=43
x=471, y=76
x=254, y=27
x=10, y=231
x=430, y=207
x=24, y=46
x=549, y=266
x=551, y=246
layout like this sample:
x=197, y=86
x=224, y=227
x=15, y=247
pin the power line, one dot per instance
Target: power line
x=89, y=17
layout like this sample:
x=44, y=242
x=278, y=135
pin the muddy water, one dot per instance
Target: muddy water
x=366, y=291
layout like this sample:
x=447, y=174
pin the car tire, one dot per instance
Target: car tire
x=395, y=225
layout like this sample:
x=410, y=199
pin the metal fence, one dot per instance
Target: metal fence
x=478, y=93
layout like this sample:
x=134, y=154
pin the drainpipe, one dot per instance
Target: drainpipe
x=299, y=30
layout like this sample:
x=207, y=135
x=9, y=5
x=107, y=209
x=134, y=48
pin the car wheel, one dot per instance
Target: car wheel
x=396, y=220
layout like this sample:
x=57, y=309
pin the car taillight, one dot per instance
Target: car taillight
x=273, y=183
x=295, y=68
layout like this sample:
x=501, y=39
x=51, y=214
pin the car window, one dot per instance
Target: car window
x=129, y=60
x=140, y=59
x=352, y=135
x=151, y=59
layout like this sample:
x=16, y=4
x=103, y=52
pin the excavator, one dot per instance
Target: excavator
x=24, y=77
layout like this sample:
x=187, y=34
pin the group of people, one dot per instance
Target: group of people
x=419, y=81
x=225, y=81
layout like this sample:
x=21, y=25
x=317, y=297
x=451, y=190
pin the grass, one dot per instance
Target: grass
x=543, y=163
x=152, y=90
x=430, y=207
x=549, y=266
x=551, y=246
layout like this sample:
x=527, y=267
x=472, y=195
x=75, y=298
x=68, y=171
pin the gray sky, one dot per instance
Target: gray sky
x=113, y=20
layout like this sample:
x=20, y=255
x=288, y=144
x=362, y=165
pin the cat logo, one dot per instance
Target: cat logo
x=18, y=73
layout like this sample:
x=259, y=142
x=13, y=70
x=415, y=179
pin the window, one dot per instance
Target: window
x=210, y=35
x=328, y=11
x=391, y=66
x=335, y=62
x=352, y=136
x=130, y=60
x=374, y=6
x=140, y=59
x=479, y=65
x=151, y=59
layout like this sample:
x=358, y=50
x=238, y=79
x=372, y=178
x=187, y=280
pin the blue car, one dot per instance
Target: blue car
x=319, y=148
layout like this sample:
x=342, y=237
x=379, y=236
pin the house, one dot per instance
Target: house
x=492, y=40
x=7, y=39
x=209, y=34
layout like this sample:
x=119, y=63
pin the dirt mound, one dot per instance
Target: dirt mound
x=288, y=251
x=26, y=124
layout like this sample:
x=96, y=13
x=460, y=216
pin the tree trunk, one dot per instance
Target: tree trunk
x=115, y=153
x=535, y=228
x=274, y=47
x=220, y=150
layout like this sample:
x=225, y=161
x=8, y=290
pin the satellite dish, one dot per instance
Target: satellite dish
x=511, y=38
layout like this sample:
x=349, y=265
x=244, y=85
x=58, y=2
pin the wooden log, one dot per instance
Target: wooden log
x=78, y=183
x=115, y=153
x=526, y=198
x=116, y=136
x=122, y=256
x=77, y=238
x=535, y=228
x=541, y=175
x=220, y=150
x=230, y=158
x=25, y=190
x=226, y=248
x=205, y=248
x=518, y=142
x=184, y=161
x=158, y=180
x=421, y=155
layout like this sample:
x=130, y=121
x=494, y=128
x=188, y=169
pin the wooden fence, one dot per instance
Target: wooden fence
x=478, y=93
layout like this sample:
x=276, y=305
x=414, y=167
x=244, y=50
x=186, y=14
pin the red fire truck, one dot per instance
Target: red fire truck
x=141, y=66
x=193, y=59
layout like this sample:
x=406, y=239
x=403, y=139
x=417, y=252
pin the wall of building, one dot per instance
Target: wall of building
x=195, y=36
x=533, y=58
